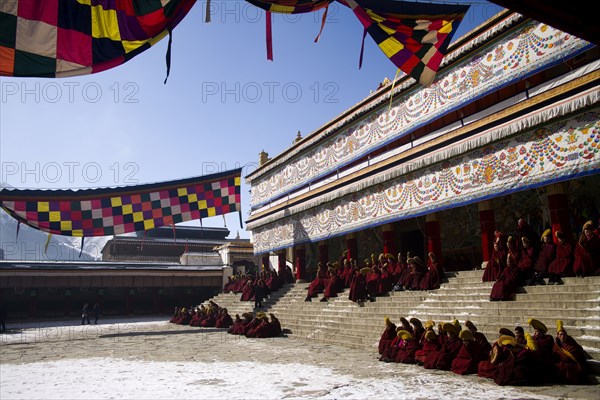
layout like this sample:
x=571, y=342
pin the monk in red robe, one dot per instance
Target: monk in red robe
x=506, y=285
x=563, y=263
x=479, y=338
x=545, y=257
x=526, y=262
x=469, y=356
x=333, y=283
x=388, y=335
x=224, y=320
x=318, y=284
x=543, y=354
x=407, y=348
x=572, y=365
x=497, y=260
x=442, y=359
x=587, y=252
x=358, y=288
x=431, y=279
x=429, y=345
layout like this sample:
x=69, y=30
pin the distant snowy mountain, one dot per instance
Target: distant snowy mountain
x=30, y=244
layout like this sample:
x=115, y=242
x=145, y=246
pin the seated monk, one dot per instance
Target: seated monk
x=507, y=281
x=240, y=329
x=429, y=345
x=442, y=359
x=254, y=322
x=431, y=279
x=572, y=366
x=197, y=316
x=318, y=284
x=587, y=252
x=236, y=323
x=333, y=282
x=210, y=319
x=175, y=315
x=276, y=330
x=470, y=355
x=386, y=279
x=224, y=319
x=388, y=335
x=417, y=329
x=480, y=338
x=358, y=288
x=407, y=348
x=544, y=353
x=261, y=328
x=184, y=317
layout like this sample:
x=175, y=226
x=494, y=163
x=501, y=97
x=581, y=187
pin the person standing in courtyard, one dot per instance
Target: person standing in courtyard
x=2, y=316
x=96, y=311
x=85, y=316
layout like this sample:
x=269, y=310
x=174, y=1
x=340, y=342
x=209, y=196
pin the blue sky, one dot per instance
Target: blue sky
x=223, y=102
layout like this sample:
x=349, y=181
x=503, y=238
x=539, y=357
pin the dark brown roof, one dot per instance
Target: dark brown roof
x=576, y=18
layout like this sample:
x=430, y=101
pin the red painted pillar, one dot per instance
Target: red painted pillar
x=300, y=263
x=280, y=262
x=433, y=235
x=388, y=239
x=558, y=203
x=352, y=246
x=487, y=222
x=323, y=253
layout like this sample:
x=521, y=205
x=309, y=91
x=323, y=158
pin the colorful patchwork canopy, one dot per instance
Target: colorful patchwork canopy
x=103, y=212
x=56, y=38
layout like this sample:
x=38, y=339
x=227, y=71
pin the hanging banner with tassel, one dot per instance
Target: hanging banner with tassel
x=47, y=243
x=81, y=250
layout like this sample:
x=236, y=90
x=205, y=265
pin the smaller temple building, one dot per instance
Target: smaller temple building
x=138, y=274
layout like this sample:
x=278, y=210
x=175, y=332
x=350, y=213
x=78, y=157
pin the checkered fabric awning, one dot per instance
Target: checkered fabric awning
x=56, y=38
x=103, y=212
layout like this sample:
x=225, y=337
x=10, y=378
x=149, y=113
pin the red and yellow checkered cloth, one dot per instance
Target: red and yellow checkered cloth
x=104, y=212
x=55, y=38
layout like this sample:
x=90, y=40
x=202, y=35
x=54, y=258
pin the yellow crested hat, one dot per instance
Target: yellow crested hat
x=450, y=328
x=430, y=335
x=429, y=324
x=365, y=270
x=537, y=325
x=559, y=326
x=508, y=341
x=465, y=335
x=387, y=321
x=547, y=232
x=587, y=225
x=406, y=335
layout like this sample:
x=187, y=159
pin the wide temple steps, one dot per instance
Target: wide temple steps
x=464, y=297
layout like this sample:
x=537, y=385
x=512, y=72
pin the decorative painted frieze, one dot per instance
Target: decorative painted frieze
x=521, y=53
x=535, y=157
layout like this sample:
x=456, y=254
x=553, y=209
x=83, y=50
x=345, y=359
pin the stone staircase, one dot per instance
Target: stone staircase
x=464, y=297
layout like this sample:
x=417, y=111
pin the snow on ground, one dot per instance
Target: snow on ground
x=281, y=369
